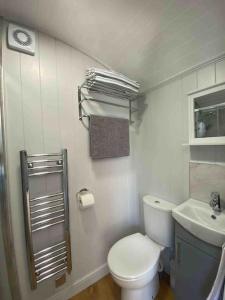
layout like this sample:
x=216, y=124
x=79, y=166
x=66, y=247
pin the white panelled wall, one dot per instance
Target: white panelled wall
x=163, y=162
x=40, y=94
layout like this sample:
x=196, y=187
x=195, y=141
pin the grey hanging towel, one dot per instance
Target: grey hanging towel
x=109, y=137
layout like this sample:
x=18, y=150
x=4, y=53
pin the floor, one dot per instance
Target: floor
x=106, y=289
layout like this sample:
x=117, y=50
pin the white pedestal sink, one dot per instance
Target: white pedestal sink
x=199, y=219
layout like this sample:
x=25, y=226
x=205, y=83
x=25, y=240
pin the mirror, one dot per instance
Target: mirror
x=209, y=111
x=207, y=116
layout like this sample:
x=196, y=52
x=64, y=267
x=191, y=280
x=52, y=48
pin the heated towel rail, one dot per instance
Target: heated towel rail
x=44, y=212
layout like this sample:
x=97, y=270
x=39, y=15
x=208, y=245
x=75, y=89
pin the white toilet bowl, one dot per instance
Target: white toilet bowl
x=133, y=262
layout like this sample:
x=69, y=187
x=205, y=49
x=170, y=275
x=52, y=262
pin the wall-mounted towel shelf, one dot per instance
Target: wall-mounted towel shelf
x=44, y=212
x=85, y=97
x=109, y=84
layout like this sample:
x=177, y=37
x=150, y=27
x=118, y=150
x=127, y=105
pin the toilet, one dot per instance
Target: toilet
x=133, y=261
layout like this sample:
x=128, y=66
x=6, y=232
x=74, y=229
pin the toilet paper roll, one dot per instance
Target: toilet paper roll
x=86, y=199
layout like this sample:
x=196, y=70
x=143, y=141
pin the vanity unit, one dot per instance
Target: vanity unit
x=198, y=241
x=196, y=266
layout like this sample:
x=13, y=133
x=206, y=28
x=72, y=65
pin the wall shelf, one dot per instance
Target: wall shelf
x=83, y=95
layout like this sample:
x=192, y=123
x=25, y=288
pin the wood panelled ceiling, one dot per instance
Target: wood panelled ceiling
x=149, y=40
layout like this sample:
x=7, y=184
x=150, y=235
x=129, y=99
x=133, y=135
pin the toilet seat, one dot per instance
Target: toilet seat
x=134, y=258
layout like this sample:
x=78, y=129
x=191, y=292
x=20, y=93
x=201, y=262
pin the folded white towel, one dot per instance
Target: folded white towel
x=92, y=72
x=111, y=84
x=109, y=81
x=218, y=283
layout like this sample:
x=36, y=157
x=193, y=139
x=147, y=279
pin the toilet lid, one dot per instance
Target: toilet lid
x=133, y=256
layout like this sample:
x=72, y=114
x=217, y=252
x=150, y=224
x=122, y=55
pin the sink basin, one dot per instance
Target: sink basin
x=199, y=219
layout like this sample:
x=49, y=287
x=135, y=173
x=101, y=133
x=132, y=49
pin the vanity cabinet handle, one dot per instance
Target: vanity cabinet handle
x=178, y=248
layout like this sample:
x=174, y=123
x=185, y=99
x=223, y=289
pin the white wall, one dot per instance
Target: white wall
x=42, y=116
x=163, y=163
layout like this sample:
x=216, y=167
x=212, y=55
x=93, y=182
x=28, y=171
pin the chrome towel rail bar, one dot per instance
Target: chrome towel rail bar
x=44, y=173
x=51, y=258
x=47, y=220
x=47, y=214
x=46, y=208
x=51, y=264
x=63, y=254
x=49, y=248
x=44, y=155
x=115, y=93
x=47, y=254
x=44, y=161
x=50, y=270
x=46, y=197
x=43, y=212
x=53, y=274
x=44, y=167
x=46, y=202
x=47, y=226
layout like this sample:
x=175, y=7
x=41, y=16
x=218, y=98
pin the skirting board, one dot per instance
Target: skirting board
x=81, y=284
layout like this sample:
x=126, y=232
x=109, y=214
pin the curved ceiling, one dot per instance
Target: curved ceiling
x=148, y=40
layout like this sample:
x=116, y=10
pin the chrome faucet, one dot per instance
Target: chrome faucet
x=215, y=202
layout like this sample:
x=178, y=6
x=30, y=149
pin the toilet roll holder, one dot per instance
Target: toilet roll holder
x=78, y=198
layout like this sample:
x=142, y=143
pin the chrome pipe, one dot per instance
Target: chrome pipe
x=47, y=220
x=66, y=206
x=106, y=102
x=79, y=101
x=51, y=275
x=44, y=155
x=51, y=264
x=130, y=112
x=44, y=167
x=44, y=173
x=46, y=196
x=52, y=269
x=47, y=214
x=49, y=248
x=50, y=259
x=47, y=226
x=46, y=202
x=46, y=208
x=44, y=161
x=50, y=253
x=27, y=217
